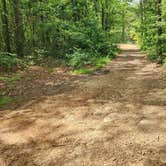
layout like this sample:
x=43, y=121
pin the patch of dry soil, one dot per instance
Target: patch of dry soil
x=116, y=118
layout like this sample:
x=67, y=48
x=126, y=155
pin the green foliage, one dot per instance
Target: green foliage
x=60, y=27
x=36, y=57
x=79, y=59
x=107, y=49
x=86, y=35
x=164, y=62
x=10, y=61
x=82, y=71
x=5, y=100
x=11, y=79
x=146, y=29
x=95, y=63
x=101, y=62
x=73, y=31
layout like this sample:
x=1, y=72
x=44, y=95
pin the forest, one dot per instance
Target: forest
x=82, y=82
x=77, y=32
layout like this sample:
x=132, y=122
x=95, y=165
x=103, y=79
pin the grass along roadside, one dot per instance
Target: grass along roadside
x=10, y=79
x=5, y=100
x=97, y=63
x=6, y=82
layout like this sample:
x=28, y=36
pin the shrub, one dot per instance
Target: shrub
x=79, y=59
x=10, y=61
x=11, y=79
x=100, y=62
x=83, y=71
x=106, y=49
x=5, y=100
x=164, y=62
x=85, y=35
x=37, y=56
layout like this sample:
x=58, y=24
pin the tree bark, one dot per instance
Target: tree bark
x=19, y=31
x=5, y=22
x=103, y=16
x=74, y=14
x=96, y=8
x=123, y=26
x=159, y=31
x=141, y=16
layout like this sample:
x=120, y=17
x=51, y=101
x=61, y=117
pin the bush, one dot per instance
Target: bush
x=37, y=56
x=79, y=59
x=106, y=49
x=5, y=100
x=101, y=62
x=10, y=61
x=11, y=79
x=83, y=71
x=85, y=35
x=164, y=62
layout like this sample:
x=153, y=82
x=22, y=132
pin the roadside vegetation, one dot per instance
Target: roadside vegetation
x=81, y=36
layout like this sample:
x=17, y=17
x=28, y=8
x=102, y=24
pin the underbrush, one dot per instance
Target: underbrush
x=73, y=44
x=79, y=61
x=84, y=62
x=10, y=62
x=6, y=83
x=101, y=62
x=5, y=100
x=10, y=79
x=37, y=57
x=164, y=61
x=152, y=55
x=82, y=71
x=93, y=64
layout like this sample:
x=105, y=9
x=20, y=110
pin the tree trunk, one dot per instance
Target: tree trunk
x=142, y=16
x=123, y=33
x=19, y=32
x=159, y=31
x=123, y=26
x=103, y=17
x=5, y=26
x=96, y=8
x=74, y=14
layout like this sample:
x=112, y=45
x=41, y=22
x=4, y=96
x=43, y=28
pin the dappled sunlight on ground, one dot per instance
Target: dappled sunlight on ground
x=116, y=119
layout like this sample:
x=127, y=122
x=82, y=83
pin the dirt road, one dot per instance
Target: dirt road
x=115, y=117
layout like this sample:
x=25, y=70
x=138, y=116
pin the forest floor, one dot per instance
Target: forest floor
x=113, y=117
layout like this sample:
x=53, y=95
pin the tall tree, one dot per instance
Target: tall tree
x=159, y=31
x=19, y=31
x=105, y=14
x=142, y=15
x=123, y=25
x=5, y=22
x=96, y=7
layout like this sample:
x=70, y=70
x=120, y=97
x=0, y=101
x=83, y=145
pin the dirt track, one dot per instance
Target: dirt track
x=115, y=117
